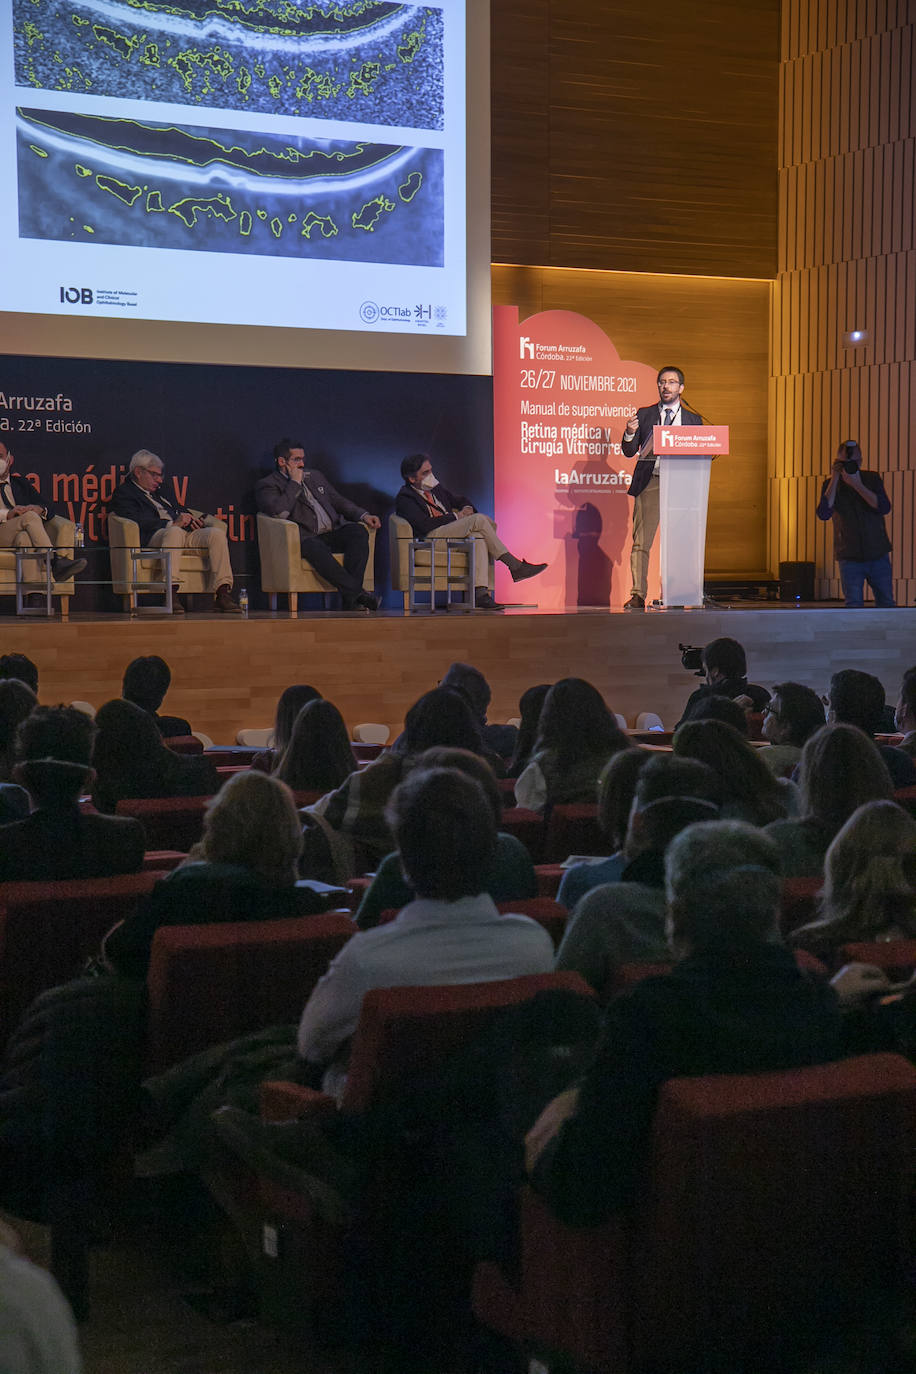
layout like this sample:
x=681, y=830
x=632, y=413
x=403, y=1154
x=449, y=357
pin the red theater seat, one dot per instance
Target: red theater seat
x=896, y=957
x=48, y=930
x=184, y=744
x=573, y=829
x=544, y=910
x=212, y=983
x=772, y=1200
x=527, y=826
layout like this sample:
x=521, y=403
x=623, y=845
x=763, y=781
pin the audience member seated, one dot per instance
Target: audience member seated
x=725, y=665
x=577, y=735
x=736, y=1002
x=445, y=833
x=20, y=667
x=319, y=756
x=37, y=1331
x=623, y=922
x=498, y=739
x=792, y=715
x=510, y=876
x=146, y=681
x=869, y=882
x=130, y=760
x=291, y=702
x=905, y=714
x=16, y=702
x=530, y=705
x=719, y=708
x=749, y=791
x=57, y=841
x=244, y=868
x=616, y=790
x=840, y=770
x=353, y=817
x=857, y=698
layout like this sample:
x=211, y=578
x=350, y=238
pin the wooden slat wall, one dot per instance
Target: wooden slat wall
x=847, y=259
x=628, y=138
x=717, y=330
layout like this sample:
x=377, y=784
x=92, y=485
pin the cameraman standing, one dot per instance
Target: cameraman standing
x=857, y=503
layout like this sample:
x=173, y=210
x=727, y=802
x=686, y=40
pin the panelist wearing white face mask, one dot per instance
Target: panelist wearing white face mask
x=21, y=517
x=433, y=512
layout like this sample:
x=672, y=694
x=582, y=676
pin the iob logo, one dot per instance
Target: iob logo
x=368, y=312
x=75, y=295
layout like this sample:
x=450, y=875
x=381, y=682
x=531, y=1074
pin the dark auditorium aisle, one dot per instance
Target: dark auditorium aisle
x=140, y=1324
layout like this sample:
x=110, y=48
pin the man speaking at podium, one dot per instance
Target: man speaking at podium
x=637, y=437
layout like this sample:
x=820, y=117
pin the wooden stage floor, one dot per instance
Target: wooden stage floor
x=227, y=672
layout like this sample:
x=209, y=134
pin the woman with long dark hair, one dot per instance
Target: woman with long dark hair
x=319, y=756
x=577, y=734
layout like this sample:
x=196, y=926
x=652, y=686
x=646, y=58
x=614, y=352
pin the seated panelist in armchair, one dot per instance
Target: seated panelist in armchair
x=22, y=516
x=328, y=522
x=432, y=512
x=166, y=525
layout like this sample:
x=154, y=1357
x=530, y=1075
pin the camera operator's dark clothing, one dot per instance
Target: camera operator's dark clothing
x=858, y=531
x=730, y=687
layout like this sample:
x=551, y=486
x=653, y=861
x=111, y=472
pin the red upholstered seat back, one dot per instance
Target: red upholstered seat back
x=48, y=930
x=894, y=956
x=184, y=744
x=797, y=905
x=527, y=826
x=764, y=1193
x=211, y=983
x=906, y=797
x=767, y=1191
x=545, y=910
x=168, y=822
x=573, y=829
x=403, y=1032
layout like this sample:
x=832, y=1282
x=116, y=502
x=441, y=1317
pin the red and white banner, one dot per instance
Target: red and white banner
x=689, y=441
x=562, y=395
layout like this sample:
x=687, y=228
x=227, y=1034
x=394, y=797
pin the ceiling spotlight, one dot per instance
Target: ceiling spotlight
x=855, y=338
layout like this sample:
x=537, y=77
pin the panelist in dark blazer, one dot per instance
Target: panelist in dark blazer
x=22, y=516
x=432, y=511
x=645, y=485
x=163, y=524
x=53, y=748
x=328, y=522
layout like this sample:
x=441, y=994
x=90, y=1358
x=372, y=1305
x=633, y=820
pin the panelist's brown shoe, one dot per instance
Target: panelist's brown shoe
x=222, y=601
x=177, y=603
x=635, y=603
x=524, y=570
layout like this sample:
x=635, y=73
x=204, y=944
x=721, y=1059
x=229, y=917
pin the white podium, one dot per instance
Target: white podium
x=683, y=504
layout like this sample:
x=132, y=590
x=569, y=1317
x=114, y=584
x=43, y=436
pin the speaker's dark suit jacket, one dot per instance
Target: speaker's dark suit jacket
x=51, y=845
x=276, y=495
x=411, y=506
x=133, y=503
x=648, y=417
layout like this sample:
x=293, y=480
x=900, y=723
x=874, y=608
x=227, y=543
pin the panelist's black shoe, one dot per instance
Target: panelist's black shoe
x=62, y=568
x=483, y=601
x=635, y=603
x=524, y=570
x=365, y=601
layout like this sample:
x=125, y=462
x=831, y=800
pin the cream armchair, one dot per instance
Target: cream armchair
x=60, y=533
x=190, y=567
x=283, y=569
x=400, y=537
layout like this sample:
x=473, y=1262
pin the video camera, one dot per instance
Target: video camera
x=692, y=659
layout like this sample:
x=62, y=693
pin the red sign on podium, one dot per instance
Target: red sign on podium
x=687, y=441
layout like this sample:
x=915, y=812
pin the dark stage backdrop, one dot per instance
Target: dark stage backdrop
x=72, y=425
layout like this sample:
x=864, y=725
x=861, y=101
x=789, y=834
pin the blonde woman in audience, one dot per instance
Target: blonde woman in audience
x=840, y=770
x=869, y=882
x=244, y=868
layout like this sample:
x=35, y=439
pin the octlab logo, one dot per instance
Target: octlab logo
x=75, y=295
